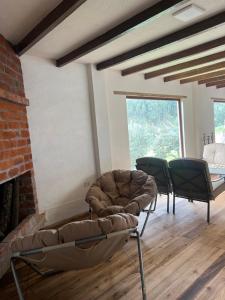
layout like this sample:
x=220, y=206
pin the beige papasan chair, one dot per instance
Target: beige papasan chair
x=74, y=246
x=122, y=191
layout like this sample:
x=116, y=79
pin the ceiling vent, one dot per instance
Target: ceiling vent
x=188, y=13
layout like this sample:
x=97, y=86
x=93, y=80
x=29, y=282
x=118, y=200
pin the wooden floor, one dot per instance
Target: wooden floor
x=184, y=258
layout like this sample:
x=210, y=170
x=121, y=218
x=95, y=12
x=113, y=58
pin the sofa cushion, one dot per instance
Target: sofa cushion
x=214, y=153
x=219, y=157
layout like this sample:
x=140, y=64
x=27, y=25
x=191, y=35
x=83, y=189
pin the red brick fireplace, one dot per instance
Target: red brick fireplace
x=15, y=150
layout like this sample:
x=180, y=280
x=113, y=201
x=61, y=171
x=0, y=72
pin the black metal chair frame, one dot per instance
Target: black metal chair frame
x=190, y=181
x=168, y=193
x=166, y=174
x=23, y=254
x=148, y=211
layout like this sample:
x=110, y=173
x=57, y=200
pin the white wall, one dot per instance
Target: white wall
x=79, y=127
x=118, y=113
x=204, y=116
x=100, y=119
x=61, y=135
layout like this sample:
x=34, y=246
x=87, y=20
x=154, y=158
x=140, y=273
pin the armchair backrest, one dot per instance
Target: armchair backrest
x=191, y=179
x=158, y=168
x=76, y=245
x=214, y=153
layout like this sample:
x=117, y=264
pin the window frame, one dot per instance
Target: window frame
x=179, y=115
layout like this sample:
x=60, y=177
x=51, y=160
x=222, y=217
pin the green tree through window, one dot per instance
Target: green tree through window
x=153, y=127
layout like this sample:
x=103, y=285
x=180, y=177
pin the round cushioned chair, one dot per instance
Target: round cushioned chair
x=122, y=191
x=75, y=246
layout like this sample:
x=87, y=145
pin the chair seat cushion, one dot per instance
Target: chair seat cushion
x=216, y=166
x=110, y=210
x=218, y=187
x=122, y=201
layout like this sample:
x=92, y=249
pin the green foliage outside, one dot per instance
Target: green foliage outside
x=153, y=129
x=219, y=120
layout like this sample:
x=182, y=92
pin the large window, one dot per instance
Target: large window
x=219, y=121
x=154, y=128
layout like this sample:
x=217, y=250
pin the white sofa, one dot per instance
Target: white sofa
x=214, y=154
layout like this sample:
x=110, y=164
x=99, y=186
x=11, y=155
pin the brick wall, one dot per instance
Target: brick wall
x=11, y=78
x=15, y=149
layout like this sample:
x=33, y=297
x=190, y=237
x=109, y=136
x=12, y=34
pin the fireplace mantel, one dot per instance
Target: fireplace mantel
x=8, y=96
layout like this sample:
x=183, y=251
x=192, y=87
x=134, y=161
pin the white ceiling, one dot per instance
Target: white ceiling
x=97, y=16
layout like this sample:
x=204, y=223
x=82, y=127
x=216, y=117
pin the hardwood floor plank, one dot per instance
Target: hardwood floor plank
x=205, y=278
x=214, y=288
x=184, y=258
x=171, y=279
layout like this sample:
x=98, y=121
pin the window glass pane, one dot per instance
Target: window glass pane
x=219, y=121
x=153, y=127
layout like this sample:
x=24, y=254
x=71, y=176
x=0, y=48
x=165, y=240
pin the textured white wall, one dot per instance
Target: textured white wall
x=100, y=119
x=204, y=112
x=61, y=135
x=70, y=146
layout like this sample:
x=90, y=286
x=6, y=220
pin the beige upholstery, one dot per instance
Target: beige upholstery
x=214, y=154
x=121, y=191
x=78, y=257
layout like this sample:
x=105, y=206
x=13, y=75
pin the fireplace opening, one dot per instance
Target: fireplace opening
x=16, y=202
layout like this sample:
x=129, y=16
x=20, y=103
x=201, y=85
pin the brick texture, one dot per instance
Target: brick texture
x=15, y=149
x=11, y=78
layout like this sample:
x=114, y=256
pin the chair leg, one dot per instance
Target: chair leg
x=155, y=202
x=208, y=212
x=16, y=279
x=41, y=273
x=168, y=203
x=173, y=203
x=141, y=268
x=146, y=219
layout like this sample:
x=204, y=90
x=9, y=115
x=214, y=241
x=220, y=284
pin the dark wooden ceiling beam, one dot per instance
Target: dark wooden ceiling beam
x=213, y=83
x=118, y=31
x=203, y=76
x=185, y=65
x=163, y=41
x=220, y=86
x=217, y=66
x=175, y=56
x=47, y=24
x=209, y=80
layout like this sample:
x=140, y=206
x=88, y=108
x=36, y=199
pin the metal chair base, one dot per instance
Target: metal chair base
x=192, y=201
x=35, y=269
x=149, y=211
x=168, y=203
